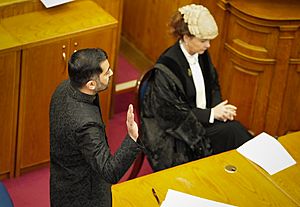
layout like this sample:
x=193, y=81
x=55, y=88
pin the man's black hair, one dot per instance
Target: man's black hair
x=85, y=64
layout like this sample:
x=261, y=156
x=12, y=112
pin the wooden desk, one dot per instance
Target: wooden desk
x=205, y=178
x=291, y=143
x=288, y=180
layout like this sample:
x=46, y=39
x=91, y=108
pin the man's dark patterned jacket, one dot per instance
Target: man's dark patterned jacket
x=82, y=168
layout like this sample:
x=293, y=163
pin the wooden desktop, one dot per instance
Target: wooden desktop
x=207, y=178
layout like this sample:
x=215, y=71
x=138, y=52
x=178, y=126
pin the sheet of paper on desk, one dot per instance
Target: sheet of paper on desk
x=178, y=199
x=267, y=152
x=51, y=3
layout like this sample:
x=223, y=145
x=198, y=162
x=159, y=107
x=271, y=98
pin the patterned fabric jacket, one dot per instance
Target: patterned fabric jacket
x=82, y=168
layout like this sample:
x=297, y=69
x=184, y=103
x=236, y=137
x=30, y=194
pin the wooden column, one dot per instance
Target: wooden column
x=280, y=79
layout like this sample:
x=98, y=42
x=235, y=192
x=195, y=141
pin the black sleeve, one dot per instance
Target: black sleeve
x=93, y=145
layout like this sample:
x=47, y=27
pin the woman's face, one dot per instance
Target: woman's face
x=195, y=45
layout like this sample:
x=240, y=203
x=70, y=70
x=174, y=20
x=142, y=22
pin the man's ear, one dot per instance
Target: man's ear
x=91, y=85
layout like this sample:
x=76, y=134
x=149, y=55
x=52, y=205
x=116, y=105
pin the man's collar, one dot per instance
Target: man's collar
x=78, y=95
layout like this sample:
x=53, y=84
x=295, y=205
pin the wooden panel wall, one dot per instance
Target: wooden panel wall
x=145, y=24
x=9, y=97
x=290, y=113
x=114, y=7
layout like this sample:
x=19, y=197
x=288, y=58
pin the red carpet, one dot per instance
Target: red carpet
x=125, y=71
x=32, y=189
x=122, y=100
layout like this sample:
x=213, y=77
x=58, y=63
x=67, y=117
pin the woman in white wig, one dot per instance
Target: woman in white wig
x=183, y=115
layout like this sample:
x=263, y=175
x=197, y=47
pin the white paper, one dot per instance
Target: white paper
x=179, y=199
x=51, y=3
x=267, y=152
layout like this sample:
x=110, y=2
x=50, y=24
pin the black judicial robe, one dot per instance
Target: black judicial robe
x=174, y=130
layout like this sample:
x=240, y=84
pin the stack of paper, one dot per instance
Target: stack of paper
x=179, y=199
x=267, y=152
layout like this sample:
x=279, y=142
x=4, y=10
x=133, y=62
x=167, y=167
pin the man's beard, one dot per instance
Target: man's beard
x=101, y=87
